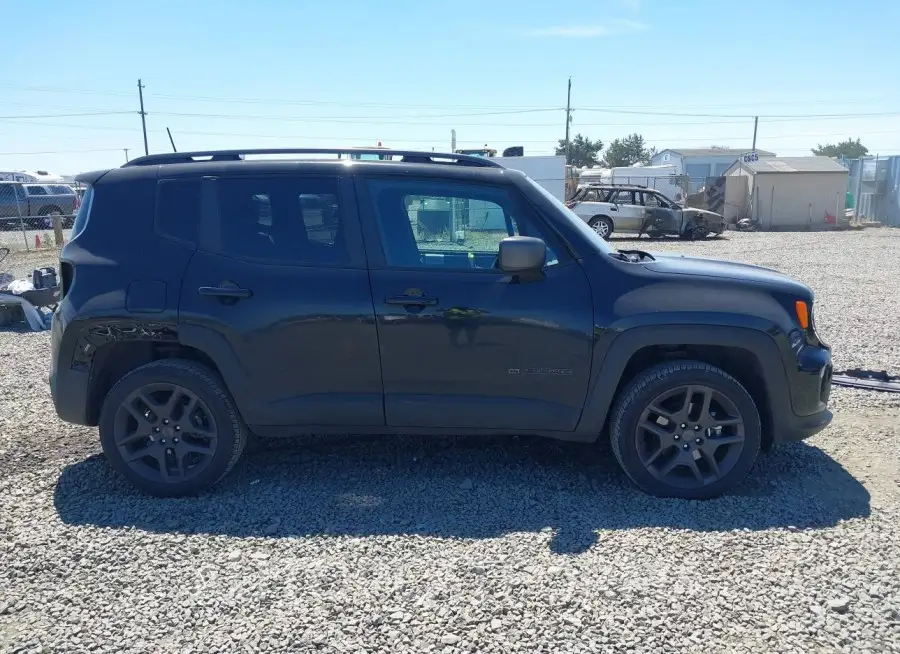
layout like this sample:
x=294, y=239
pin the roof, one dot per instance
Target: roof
x=795, y=165
x=713, y=152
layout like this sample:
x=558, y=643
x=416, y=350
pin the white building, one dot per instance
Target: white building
x=788, y=192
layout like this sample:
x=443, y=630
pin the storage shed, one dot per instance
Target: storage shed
x=789, y=192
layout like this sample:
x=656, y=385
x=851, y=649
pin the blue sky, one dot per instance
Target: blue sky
x=276, y=73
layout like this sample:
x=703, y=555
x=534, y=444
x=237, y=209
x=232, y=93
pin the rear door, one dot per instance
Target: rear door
x=280, y=276
x=463, y=344
x=628, y=213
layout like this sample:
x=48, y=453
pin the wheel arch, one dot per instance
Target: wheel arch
x=116, y=358
x=749, y=355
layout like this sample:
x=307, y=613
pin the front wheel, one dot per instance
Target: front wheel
x=602, y=225
x=685, y=429
x=171, y=428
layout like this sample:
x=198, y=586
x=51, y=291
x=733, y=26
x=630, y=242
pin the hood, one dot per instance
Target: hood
x=679, y=264
x=702, y=212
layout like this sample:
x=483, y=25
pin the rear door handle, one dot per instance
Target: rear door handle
x=411, y=300
x=227, y=292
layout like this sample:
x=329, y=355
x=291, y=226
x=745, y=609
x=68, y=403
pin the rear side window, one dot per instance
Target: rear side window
x=36, y=190
x=58, y=189
x=285, y=220
x=178, y=209
x=84, y=211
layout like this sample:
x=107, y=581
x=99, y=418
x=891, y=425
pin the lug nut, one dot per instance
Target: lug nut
x=163, y=441
x=699, y=441
x=696, y=427
x=175, y=440
x=177, y=428
x=156, y=429
x=686, y=446
x=683, y=426
x=677, y=437
x=165, y=422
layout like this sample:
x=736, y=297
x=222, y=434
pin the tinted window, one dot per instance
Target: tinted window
x=6, y=193
x=36, y=190
x=59, y=189
x=281, y=220
x=178, y=209
x=448, y=225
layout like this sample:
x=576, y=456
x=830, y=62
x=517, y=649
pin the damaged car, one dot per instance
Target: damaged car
x=617, y=208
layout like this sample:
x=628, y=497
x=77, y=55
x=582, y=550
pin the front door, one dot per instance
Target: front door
x=280, y=274
x=464, y=345
x=629, y=214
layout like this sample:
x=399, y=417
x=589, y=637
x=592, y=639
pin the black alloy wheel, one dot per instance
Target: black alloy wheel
x=685, y=429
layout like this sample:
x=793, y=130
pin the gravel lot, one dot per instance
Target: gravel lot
x=453, y=545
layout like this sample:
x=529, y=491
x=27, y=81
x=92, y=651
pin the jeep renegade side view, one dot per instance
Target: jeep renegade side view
x=207, y=297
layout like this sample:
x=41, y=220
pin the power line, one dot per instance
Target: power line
x=98, y=113
x=20, y=154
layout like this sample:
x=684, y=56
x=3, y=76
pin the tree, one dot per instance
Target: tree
x=582, y=151
x=850, y=149
x=626, y=152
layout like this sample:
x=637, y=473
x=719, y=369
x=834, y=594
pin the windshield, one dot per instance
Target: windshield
x=579, y=224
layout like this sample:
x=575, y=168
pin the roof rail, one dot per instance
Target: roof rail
x=415, y=156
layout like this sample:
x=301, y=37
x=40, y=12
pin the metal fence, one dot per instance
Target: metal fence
x=873, y=188
x=35, y=233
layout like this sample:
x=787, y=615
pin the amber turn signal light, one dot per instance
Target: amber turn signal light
x=802, y=310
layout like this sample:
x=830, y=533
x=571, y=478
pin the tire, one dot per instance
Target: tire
x=602, y=225
x=644, y=454
x=202, y=460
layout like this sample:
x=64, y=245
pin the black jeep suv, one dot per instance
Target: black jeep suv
x=208, y=296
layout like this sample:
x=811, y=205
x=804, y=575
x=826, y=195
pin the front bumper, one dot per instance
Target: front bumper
x=809, y=379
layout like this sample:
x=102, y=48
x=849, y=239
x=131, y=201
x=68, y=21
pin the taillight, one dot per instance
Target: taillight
x=77, y=203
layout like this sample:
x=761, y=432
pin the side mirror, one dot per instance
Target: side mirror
x=519, y=254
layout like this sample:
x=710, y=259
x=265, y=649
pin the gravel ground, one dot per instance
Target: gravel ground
x=461, y=545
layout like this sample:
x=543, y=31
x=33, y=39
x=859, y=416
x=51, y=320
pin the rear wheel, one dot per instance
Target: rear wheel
x=685, y=429
x=602, y=225
x=171, y=428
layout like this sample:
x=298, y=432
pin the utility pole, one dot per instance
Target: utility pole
x=143, y=116
x=171, y=140
x=568, y=117
x=755, y=123
x=126, y=154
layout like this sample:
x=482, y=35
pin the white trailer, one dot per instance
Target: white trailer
x=548, y=171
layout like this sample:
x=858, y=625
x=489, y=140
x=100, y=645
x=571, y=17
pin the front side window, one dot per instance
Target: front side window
x=281, y=220
x=651, y=200
x=36, y=190
x=448, y=225
x=7, y=195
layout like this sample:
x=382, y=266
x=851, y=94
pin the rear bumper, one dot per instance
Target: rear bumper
x=69, y=387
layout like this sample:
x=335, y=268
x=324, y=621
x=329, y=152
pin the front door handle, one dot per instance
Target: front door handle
x=411, y=300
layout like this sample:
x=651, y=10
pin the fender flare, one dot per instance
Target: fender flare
x=605, y=381
x=219, y=350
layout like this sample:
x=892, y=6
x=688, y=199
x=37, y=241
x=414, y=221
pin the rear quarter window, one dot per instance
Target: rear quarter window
x=178, y=209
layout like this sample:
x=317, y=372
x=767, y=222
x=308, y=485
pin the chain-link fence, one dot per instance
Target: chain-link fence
x=35, y=233
x=36, y=216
